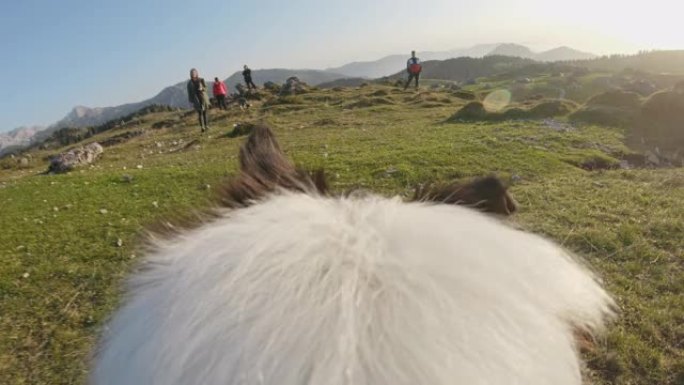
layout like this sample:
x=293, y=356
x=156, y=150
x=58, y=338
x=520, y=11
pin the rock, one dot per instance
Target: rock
x=76, y=157
x=293, y=86
x=271, y=86
x=103, y=211
x=23, y=162
x=652, y=158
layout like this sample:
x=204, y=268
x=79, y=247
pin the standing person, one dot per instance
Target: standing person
x=413, y=68
x=220, y=93
x=247, y=74
x=197, y=96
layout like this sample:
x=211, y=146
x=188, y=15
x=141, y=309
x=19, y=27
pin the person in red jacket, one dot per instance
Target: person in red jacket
x=220, y=93
x=413, y=68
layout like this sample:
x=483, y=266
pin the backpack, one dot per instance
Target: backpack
x=415, y=68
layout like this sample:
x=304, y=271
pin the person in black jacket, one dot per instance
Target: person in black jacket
x=247, y=74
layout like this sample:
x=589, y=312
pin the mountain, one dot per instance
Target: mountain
x=464, y=69
x=19, y=137
x=515, y=50
x=176, y=96
x=563, y=54
x=391, y=64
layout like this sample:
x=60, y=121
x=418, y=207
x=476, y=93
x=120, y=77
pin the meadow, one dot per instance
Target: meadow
x=68, y=241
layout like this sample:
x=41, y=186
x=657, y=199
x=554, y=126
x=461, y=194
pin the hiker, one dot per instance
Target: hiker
x=220, y=93
x=413, y=68
x=247, y=74
x=197, y=96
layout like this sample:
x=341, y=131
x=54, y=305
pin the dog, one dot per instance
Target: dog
x=289, y=284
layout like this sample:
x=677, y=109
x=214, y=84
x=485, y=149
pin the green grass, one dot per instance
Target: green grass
x=61, y=262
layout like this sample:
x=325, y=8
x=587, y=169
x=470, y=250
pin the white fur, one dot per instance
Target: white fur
x=365, y=291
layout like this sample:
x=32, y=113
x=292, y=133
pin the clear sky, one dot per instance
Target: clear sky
x=56, y=54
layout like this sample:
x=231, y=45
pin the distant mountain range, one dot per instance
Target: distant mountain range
x=19, y=137
x=464, y=69
x=391, y=64
x=174, y=96
x=453, y=65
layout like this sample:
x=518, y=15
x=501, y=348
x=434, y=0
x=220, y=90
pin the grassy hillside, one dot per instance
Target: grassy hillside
x=68, y=240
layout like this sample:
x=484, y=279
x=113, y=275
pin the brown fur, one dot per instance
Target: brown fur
x=487, y=194
x=264, y=168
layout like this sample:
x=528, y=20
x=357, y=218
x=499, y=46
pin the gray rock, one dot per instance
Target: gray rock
x=80, y=156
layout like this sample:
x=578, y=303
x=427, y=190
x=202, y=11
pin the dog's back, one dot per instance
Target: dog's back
x=306, y=289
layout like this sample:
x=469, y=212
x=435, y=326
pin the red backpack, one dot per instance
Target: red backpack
x=415, y=68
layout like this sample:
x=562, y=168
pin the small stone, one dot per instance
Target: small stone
x=139, y=167
x=25, y=275
x=103, y=211
x=119, y=242
x=55, y=208
x=207, y=186
x=155, y=204
x=126, y=178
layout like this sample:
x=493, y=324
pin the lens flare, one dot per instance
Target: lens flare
x=497, y=100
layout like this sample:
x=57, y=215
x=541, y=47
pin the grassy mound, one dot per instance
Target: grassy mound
x=612, y=108
x=475, y=111
x=662, y=120
x=552, y=108
x=470, y=112
x=616, y=98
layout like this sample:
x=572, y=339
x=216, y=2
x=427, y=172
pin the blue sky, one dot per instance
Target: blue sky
x=60, y=53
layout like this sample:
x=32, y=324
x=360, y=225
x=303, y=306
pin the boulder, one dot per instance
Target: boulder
x=293, y=86
x=76, y=157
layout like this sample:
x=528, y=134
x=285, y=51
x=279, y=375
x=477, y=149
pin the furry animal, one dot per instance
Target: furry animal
x=289, y=286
